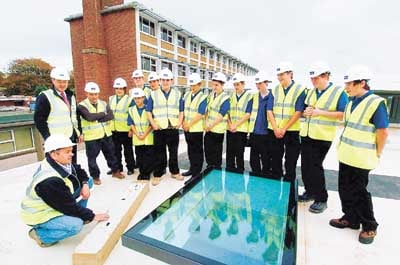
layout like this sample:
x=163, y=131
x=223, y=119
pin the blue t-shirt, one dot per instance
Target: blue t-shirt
x=226, y=105
x=342, y=101
x=299, y=105
x=249, y=104
x=261, y=123
x=202, y=107
x=149, y=104
x=130, y=119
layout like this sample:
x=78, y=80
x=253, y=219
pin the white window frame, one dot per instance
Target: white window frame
x=152, y=65
x=193, y=46
x=168, y=63
x=203, y=50
x=182, y=67
x=151, y=26
x=166, y=35
x=183, y=41
x=203, y=74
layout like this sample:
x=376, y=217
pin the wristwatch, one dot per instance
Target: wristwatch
x=84, y=182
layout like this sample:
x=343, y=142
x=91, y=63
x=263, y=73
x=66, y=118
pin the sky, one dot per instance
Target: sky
x=261, y=33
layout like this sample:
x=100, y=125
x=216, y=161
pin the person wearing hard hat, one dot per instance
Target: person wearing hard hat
x=165, y=112
x=359, y=150
x=119, y=104
x=216, y=121
x=55, y=110
x=138, y=81
x=95, y=121
x=195, y=105
x=154, y=82
x=238, y=124
x=285, y=106
x=260, y=155
x=142, y=137
x=325, y=104
x=50, y=204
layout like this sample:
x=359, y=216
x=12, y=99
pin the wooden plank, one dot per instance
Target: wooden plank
x=98, y=244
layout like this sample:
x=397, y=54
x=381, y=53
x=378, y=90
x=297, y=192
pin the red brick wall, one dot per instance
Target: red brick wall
x=112, y=2
x=77, y=43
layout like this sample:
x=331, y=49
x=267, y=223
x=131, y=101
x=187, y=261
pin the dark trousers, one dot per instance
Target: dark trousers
x=93, y=149
x=163, y=139
x=121, y=139
x=213, y=148
x=194, y=142
x=260, y=154
x=74, y=138
x=356, y=200
x=235, y=144
x=145, y=160
x=289, y=146
x=313, y=153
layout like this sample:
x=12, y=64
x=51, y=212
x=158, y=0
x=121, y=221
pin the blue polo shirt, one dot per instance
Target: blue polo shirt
x=149, y=104
x=342, y=101
x=202, y=107
x=226, y=105
x=299, y=105
x=380, y=118
x=130, y=119
x=261, y=123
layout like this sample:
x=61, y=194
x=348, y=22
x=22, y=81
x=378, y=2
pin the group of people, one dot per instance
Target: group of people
x=277, y=123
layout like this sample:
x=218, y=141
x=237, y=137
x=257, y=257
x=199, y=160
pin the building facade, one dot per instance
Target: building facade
x=111, y=39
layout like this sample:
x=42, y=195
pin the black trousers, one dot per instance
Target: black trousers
x=194, y=142
x=235, y=144
x=289, y=146
x=163, y=139
x=213, y=148
x=356, y=200
x=145, y=159
x=313, y=153
x=121, y=139
x=93, y=149
x=260, y=154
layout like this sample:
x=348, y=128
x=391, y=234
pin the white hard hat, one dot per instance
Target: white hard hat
x=166, y=74
x=219, y=77
x=92, y=87
x=238, y=77
x=194, y=79
x=319, y=68
x=137, y=73
x=261, y=77
x=358, y=72
x=284, y=67
x=153, y=76
x=59, y=74
x=136, y=92
x=57, y=141
x=119, y=83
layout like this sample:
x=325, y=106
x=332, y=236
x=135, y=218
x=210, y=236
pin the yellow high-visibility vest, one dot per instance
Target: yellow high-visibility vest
x=61, y=120
x=33, y=209
x=165, y=110
x=254, y=112
x=357, y=144
x=284, y=105
x=141, y=125
x=214, y=106
x=321, y=127
x=93, y=130
x=238, y=110
x=120, y=111
x=191, y=109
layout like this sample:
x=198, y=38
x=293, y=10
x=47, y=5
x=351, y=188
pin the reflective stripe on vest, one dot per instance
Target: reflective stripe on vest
x=192, y=108
x=120, y=111
x=141, y=125
x=284, y=106
x=238, y=110
x=254, y=112
x=321, y=127
x=357, y=144
x=61, y=119
x=165, y=110
x=93, y=130
x=214, y=105
x=33, y=209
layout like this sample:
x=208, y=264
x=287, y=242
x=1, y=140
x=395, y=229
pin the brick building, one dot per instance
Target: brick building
x=111, y=39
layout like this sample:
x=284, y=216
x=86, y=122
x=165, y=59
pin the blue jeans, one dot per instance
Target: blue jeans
x=62, y=227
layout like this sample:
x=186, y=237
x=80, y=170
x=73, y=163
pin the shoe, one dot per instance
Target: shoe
x=187, y=173
x=177, y=176
x=318, y=207
x=130, y=172
x=367, y=237
x=97, y=181
x=343, y=223
x=109, y=172
x=305, y=197
x=118, y=175
x=32, y=234
x=155, y=181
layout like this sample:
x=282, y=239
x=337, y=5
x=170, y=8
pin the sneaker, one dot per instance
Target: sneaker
x=97, y=181
x=118, y=175
x=187, y=173
x=305, y=197
x=155, y=181
x=367, y=237
x=343, y=223
x=318, y=207
x=177, y=176
x=109, y=172
x=130, y=172
x=32, y=234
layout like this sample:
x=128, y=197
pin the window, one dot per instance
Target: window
x=181, y=41
x=147, y=26
x=203, y=74
x=193, y=47
x=218, y=57
x=181, y=70
x=166, y=35
x=193, y=70
x=203, y=50
x=165, y=64
x=149, y=64
x=212, y=55
x=210, y=75
x=224, y=60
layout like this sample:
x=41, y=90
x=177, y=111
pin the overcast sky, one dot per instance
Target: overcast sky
x=259, y=32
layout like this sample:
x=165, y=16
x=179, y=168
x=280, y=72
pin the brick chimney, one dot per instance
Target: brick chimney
x=111, y=3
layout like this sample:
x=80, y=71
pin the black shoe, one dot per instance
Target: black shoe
x=130, y=172
x=187, y=173
x=109, y=172
x=318, y=207
x=305, y=197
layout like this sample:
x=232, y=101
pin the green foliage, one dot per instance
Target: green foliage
x=39, y=89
